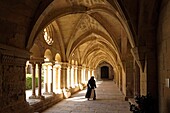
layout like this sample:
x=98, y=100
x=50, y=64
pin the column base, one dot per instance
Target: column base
x=59, y=91
x=33, y=97
x=74, y=90
x=51, y=93
x=37, y=97
x=81, y=87
x=66, y=93
x=41, y=97
x=46, y=93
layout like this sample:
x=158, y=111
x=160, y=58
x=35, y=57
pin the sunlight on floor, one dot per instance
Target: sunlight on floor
x=78, y=99
x=99, y=82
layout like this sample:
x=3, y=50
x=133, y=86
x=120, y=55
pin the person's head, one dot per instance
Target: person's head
x=92, y=77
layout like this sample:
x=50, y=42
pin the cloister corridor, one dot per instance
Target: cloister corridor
x=109, y=100
x=49, y=49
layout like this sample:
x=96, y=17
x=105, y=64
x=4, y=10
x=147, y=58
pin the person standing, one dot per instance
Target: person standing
x=91, y=85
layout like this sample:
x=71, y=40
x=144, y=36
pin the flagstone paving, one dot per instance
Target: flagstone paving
x=109, y=100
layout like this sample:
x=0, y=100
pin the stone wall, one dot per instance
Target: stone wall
x=47, y=103
x=163, y=43
x=112, y=74
x=12, y=83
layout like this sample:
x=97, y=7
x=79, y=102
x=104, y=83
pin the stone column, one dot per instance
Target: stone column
x=45, y=78
x=63, y=75
x=137, y=79
x=129, y=78
x=39, y=81
x=117, y=73
x=51, y=84
x=68, y=77
x=54, y=78
x=91, y=72
x=72, y=76
x=83, y=74
x=33, y=96
x=75, y=77
x=49, y=77
x=57, y=78
x=79, y=77
x=120, y=78
x=86, y=74
x=95, y=73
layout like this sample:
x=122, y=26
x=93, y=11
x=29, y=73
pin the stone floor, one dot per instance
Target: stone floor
x=109, y=100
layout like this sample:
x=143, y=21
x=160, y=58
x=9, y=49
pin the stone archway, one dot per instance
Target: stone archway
x=104, y=72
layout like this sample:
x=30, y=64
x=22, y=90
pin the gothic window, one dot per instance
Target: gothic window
x=48, y=35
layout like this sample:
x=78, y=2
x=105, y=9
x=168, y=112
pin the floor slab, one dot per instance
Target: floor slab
x=109, y=100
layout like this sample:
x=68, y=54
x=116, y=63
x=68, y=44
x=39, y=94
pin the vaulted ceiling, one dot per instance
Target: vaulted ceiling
x=89, y=32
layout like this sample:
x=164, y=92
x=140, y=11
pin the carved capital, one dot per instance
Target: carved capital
x=65, y=65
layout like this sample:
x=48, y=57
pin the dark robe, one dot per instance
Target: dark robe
x=91, y=85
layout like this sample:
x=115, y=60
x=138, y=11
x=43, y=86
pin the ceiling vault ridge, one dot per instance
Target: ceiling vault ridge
x=85, y=24
x=96, y=42
x=90, y=22
x=88, y=3
x=60, y=38
x=101, y=51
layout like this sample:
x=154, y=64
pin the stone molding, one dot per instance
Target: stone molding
x=88, y=3
x=11, y=55
x=13, y=51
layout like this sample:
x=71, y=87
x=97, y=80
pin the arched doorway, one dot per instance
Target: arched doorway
x=104, y=72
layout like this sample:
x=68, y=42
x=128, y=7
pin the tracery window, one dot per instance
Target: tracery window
x=48, y=35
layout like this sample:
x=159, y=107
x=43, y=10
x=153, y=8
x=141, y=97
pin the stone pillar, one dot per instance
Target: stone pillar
x=39, y=81
x=68, y=77
x=117, y=73
x=120, y=78
x=54, y=79
x=75, y=77
x=63, y=75
x=57, y=78
x=45, y=78
x=129, y=78
x=93, y=73
x=89, y=73
x=137, y=79
x=49, y=77
x=72, y=76
x=33, y=81
x=51, y=84
x=86, y=74
x=83, y=74
x=79, y=77
x=12, y=80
